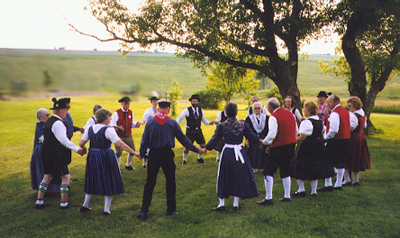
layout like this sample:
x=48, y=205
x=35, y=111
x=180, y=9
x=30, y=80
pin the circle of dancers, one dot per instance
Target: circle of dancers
x=328, y=141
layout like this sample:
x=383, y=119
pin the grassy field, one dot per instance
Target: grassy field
x=370, y=210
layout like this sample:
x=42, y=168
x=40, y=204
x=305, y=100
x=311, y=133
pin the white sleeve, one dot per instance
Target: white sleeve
x=306, y=127
x=219, y=117
x=204, y=119
x=89, y=123
x=60, y=132
x=366, y=124
x=112, y=135
x=334, y=122
x=85, y=136
x=353, y=120
x=297, y=114
x=114, y=119
x=264, y=110
x=147, y=115
x=272, y=130
x=185, y=113
x=133, y=121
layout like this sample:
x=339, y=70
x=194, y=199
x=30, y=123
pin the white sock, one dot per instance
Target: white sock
x=269, y=184
x=221, y=202
x=63, y=204
x=314, y=184
x=286, y=186
x=87, y=200
x=198, y=156
x=218, y=155
x=346, y=176
x=356, y=175
x=328, y=182
x=129, y=160
x=185, y=155
x=119, y=160
x=39, y=202
x=107, y=203
x=301, y=185
x=339, y=178
x=235, y=201
x=144, y=161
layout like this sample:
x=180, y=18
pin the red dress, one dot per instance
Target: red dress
x=359, y=159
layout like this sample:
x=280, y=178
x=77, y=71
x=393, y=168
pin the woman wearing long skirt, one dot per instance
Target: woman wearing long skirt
x=359, y=159
x=235, y=176
x=103, y=176
x=258, y=122
x=311, y=162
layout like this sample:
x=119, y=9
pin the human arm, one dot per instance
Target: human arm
x=182, y=138
x=204, y=119
x=184, y=114
x=353, y=121
x=60, y=133
x=215, y=138
x=272, y=130
x=306, y=129
x=334, y=122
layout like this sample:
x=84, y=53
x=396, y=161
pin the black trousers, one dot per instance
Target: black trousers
x=164, y=158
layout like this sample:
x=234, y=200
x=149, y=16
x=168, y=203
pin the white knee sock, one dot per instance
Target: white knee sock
x=314, y=184
x=129, y=160
x=346, y=176
x=185, y=155
x=218, y=155
x=339, y=178
x=328, y=182
x=286, y=186
x=144, y=161
x=198, y=156
x=87, y=200
x=356, y=175
x=235, y=201
x=107, y=203
x=301, y=185
x=221, y=202
x=269, y=183
x=119, y=160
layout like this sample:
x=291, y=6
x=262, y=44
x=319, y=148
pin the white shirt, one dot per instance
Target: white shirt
x=334, y=123
x=90, y=122
x=60, y=132
x=185, y=113
x=273, y=129
x=306, y=126
x=296, y=113
x=115, y=118
x=149, y=113
x=354, y=119
x=110, y=133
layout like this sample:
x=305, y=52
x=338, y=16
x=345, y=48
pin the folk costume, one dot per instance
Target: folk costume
x=257, y=156
x=250, y=111
x=322, y=111
x=221, y=117
x=149, y=113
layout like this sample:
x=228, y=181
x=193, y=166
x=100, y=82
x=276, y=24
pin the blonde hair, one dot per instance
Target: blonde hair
x=355, y=101
x=311, y=108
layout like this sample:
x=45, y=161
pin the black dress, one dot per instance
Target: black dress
x=258, y=156
x=311, y=163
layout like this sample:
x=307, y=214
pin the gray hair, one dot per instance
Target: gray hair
x=273, y=102
x=102, y=115
x=97, y=107
x=40, y=113
x=257, y=104
x=335, y=98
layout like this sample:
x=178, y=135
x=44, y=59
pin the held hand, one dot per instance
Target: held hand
x=138, y=156
x=121, y=128
x=81, y=152
x=212, y=123
x=202, y=151
x=82, y=130
x=261, y=143
x=247, y=143
x=138, y=124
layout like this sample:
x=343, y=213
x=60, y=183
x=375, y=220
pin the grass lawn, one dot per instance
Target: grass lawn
x=370, y=210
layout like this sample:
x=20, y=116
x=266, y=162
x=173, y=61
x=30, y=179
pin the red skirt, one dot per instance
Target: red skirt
x=359, y=159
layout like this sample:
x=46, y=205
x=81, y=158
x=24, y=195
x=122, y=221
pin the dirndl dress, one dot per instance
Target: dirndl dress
x=359, y=159
x=103, y=176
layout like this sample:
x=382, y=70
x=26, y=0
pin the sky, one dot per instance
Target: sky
x=43, y=24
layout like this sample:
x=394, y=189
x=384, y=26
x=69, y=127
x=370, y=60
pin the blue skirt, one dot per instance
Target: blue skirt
x=37, y=171
x=103, y=176
x=234, y=177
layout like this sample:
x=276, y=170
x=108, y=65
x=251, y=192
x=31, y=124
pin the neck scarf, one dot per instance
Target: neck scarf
x=258, y=125
x=161, y=117
x=233, y=125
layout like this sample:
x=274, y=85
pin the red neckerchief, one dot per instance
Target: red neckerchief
x=161, y=117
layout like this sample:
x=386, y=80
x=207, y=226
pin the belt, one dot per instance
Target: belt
x=237, y=148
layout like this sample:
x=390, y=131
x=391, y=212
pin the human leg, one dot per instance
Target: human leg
x=64, y=190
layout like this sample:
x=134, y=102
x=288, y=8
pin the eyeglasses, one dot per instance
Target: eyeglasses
x=48, y=114
x=257, y=108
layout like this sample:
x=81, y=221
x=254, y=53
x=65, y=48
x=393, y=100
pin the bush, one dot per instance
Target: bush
x=274, y=92
x=210, y=98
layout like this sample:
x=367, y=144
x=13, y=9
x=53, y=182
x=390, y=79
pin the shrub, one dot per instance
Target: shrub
x=210, y=98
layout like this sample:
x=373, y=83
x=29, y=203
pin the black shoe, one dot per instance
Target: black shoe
x=325, y=189
x=356, y=184
x=285, y=199
x=129, y=167
x=142, y=216
x=171, y=213
x=40, y=206
x=338, y=188
x=236, y=208
x=106, y=213
x=313, y=194
x=299, y=194
x=66, y=207
x=144, y=166
x=219, y=209
x=266, y=202
x=184, y=162
x=201, y=161
x=347, y=184
x=86, y=209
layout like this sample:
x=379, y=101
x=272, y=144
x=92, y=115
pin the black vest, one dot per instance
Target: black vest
x=192, y=122
x=52, y=149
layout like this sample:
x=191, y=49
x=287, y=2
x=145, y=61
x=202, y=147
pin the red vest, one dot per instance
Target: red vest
x=344, y=127
x=124, y=120
x=286, y=128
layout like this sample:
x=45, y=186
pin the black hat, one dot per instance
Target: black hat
x=329, y=94
x=125, y=99
x=66, y=100
x=164, y=104
x=153, y=98
x=195, y=96
x=60, y=104
x=322, y=94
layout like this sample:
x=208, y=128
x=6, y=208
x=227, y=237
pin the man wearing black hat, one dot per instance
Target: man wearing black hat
x=322, y=111
x=56, y=154
x=68, y=122
x=157, y=142
x=123, y=121
x=194, y=116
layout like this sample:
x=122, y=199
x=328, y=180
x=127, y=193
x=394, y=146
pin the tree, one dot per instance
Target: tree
x=371, y=46
x=230, y=80
x=48, y=78
x=174, y=96
x=204, y=29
